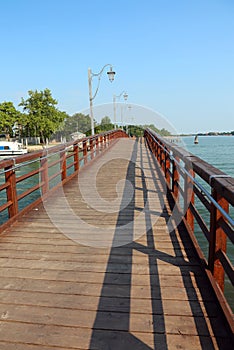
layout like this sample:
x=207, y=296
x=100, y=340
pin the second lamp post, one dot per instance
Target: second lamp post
x=111, y=75
x=125, y=96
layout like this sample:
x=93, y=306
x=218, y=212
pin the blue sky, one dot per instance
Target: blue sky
x=175, y=57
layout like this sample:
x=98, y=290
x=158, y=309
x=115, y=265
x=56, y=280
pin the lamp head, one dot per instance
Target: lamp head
x=111, y=75
x=125, y=96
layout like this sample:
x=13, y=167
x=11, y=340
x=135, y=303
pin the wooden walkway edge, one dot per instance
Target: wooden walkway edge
x=101, y=264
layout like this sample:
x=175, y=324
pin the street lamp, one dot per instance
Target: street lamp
x=111, y=76
x=129, y=108
x=125, y=96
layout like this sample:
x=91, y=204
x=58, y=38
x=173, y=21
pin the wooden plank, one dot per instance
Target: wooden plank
x=111, y=304
x=166, y=280
x=94, y=289
x=164, y=268
x=108, y=320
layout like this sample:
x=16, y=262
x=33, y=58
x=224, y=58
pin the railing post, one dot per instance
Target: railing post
x=97, y=145
x=188, y=197
x=155, y=150
x=153, y=146
x=162, y=159
x=11, y=190
x=91, y=147
x=85, y=151
x=44, y=174
x=159, y=153
x=63, y=164
x=218, y=239
x=175, y=178
x=76, y=157
x=167, y=166
x=101, y=143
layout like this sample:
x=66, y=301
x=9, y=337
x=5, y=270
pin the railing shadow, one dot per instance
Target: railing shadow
x=187, y=269
x=103, y=336
x=111, y=329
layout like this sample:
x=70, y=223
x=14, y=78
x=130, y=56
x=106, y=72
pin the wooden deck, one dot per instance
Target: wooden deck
x=104, y=267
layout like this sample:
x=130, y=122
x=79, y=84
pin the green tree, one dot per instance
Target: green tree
x=43, y=116
x=8, y=117
x=135, y=130
x=106, y=124
x=162, y=132
x=77, y=122
x=82, y=123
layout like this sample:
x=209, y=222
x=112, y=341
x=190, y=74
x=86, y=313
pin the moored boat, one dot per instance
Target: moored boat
x=196, y=139
x=12, y=148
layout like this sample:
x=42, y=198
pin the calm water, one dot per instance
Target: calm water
x=218, y=151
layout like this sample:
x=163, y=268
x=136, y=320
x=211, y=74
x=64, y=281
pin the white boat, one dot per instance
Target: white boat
x=12, y=148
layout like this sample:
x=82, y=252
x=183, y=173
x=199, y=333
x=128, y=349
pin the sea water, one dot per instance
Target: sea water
x=216, y=150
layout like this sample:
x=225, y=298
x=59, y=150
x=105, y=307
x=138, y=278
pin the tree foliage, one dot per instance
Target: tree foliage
x=105, y=124
x=8, y=117
x=43, y=118
x=134, y=130
x=83, y=123
x=77, y=122
x=162, y=132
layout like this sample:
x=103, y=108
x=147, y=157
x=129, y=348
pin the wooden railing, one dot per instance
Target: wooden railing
x=194, y=183
x=29, y=178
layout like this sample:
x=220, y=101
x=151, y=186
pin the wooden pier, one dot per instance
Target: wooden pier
x=103, y=263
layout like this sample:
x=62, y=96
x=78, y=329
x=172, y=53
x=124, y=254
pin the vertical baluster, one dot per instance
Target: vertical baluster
x=188, y=197
x=218, y=239
x=63, y=164
x=154, y=147
x=11, y=191
x=85, y=151
x=167, y=167
x=91, y=147
x=44, y=173
x=97, y=145
x=101, y=143
x=162, y=158
x=159, y=153
x=175, y=179
x=76, y=157
x=156, y=150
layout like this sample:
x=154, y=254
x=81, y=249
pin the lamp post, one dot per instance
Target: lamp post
x=129, y=108
x=125, y=96
x=111, y=75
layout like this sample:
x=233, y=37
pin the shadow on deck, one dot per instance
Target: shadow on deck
x=69, y=291
x=198, y=327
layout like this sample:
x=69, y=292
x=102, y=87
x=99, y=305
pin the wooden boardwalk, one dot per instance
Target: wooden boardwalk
x=101, y=265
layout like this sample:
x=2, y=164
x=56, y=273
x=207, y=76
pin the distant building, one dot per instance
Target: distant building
x=77, y=135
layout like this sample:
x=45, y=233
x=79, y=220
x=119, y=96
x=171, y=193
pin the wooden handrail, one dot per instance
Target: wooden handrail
x=56, y=164
x=217, y=204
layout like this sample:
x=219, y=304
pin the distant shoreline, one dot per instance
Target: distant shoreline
x=231, y=133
